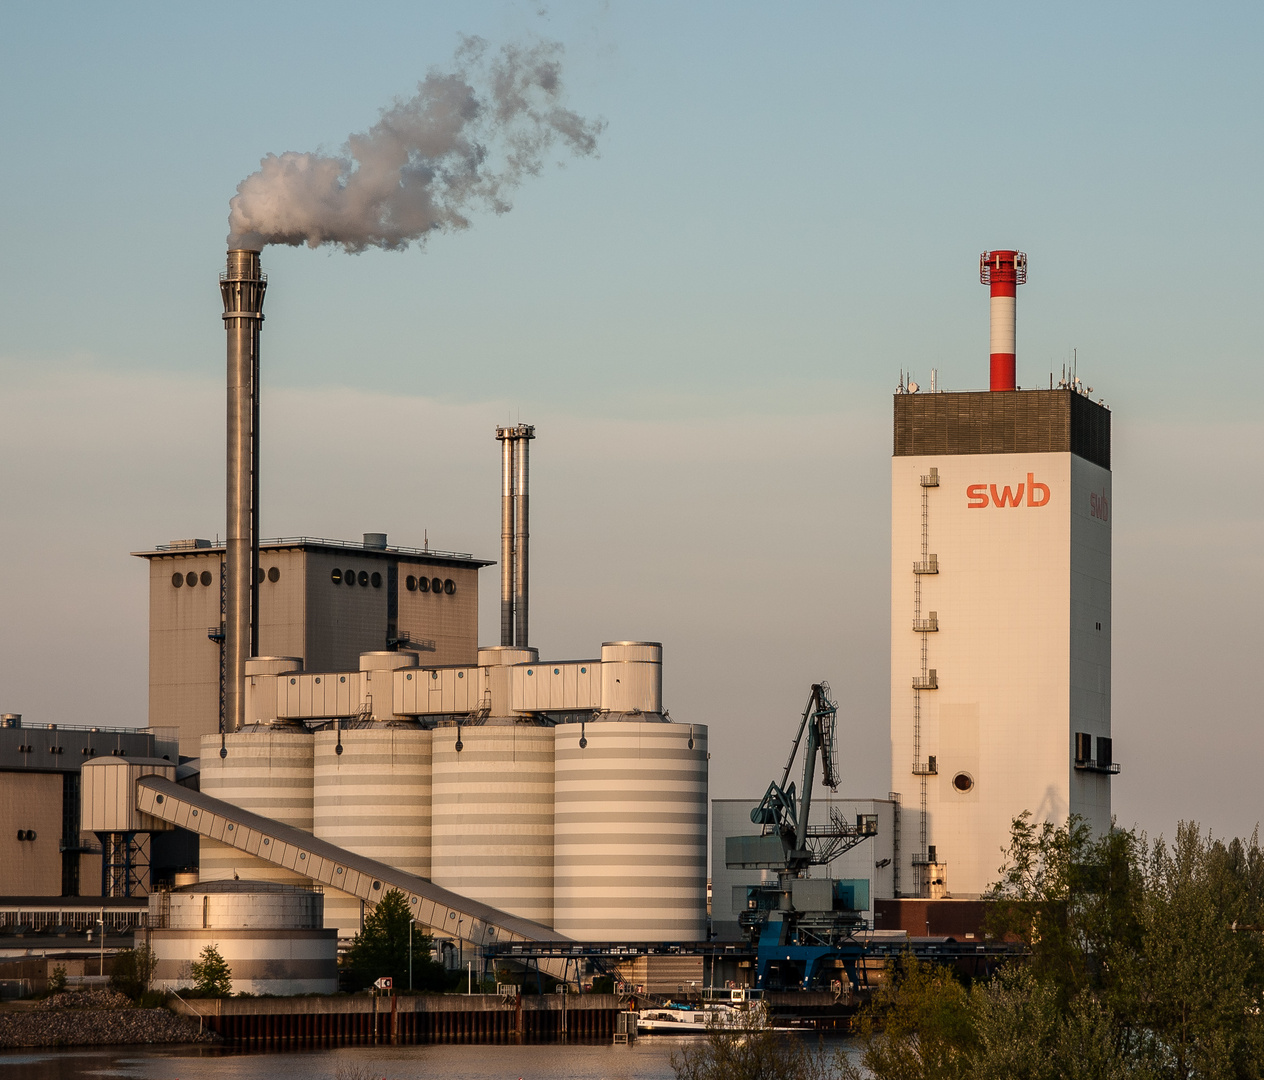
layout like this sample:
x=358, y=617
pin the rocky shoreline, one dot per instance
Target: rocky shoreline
x=94, y=1018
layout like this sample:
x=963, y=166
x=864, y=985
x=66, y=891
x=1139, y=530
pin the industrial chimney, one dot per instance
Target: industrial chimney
x=1004, y=271
x=242, y=286
x=515, y=532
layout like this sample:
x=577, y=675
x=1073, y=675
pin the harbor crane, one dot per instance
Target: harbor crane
x=797, y=914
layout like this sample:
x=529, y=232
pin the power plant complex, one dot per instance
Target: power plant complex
x=325, y=726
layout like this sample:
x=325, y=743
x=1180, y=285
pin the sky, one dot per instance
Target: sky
x=705, y=322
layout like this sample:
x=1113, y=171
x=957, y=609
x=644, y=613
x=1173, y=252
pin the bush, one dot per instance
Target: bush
x=212, y=977
x=134, y=971
x=57, y=980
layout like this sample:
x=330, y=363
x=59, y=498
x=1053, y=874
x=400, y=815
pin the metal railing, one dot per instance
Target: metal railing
x=929, y=681
x=347, y=545
x=929, y=566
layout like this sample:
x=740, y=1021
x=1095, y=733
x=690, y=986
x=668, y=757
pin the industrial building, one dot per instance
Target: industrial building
x=323, y=716
x=1000, y=612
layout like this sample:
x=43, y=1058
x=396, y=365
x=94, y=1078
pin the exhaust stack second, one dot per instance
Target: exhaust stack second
x=515, y=532
x=1004, y=271
x=242, y=286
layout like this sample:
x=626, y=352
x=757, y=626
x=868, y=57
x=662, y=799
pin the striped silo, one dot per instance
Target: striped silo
x=372, y=797
x=630, y=831
x=492, y=816
x=266, y=770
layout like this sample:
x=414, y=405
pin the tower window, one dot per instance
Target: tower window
x=336, y=576
x=963, y=782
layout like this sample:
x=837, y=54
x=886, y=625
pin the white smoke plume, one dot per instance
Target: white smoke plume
x=464, y=142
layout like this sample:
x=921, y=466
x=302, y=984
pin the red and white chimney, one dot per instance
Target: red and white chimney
x=1004, y=271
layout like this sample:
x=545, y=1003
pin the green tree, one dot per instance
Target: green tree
x=57, y=980
x=134, y=971
x=212, y=976
x=917, y=1026
x=382, y=948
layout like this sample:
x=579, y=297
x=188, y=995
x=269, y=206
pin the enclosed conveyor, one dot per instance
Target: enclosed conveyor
x=445, y=912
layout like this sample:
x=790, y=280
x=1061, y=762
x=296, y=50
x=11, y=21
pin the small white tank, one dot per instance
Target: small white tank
x=632, y=677
x=372, y=796
x=261, y=685
x=492, y=816
x=630, y=831
x=378, y=683
x=268, y=771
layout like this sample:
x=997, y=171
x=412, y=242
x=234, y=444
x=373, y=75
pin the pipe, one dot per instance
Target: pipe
x=506, y=437
x=242, y=287
x=524, y=433
x=1004, y=271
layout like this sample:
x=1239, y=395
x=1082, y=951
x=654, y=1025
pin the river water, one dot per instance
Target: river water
x=646, y=1059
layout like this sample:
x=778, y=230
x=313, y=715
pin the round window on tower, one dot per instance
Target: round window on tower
x=423, y=584
x=375, y=580
x=190, y=579
x=274, y=575
x=963, y=782
x=411, y=583
x=206, y=578
x=449, y=586
x=363, y=577
x=436, y=585
x=348, y=576
x=336, y=576
x=177, y=579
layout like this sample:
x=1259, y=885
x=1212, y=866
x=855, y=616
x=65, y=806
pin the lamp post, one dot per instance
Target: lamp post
x=410, y=954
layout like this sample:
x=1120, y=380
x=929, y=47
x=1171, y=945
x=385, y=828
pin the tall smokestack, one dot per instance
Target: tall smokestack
x=242, y=286
x=522, y=532
x=506, y=438
x=1004, y=271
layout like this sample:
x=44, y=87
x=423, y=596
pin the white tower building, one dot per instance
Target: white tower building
x=1000, y=625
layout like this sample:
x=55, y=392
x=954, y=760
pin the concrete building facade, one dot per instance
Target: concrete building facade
x=1000, y=626
x=324, y=602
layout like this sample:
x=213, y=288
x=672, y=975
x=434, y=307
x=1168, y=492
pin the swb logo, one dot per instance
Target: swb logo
x=981, y=495
x=1098, y=506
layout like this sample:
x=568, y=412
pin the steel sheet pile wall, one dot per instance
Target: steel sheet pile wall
x=267, y=771
x=630, y=832
x=492, y=807
x=372, y=796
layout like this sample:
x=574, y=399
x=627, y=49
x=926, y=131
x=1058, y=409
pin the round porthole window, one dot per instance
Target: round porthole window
x=362, y=577
x=557, y=671
x=190, y=579
x=411, y=583
x=348, y=576
x=274, y=575
x=409, y=677
x=423, y=584
x=336, y=576
x=460, y=674
x=342, y=678
x=963, y=781
x=376, y=580
x=317, y=680
x=259, y=576
x=436, y=585
x=583, y=671
x=177, y=580
x=449, y=586
x=206, y=578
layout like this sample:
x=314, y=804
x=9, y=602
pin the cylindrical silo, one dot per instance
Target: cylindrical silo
x=492, y=816
x=372, y=797
x=630, y=831
x=266, y=770
x=632, y=676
